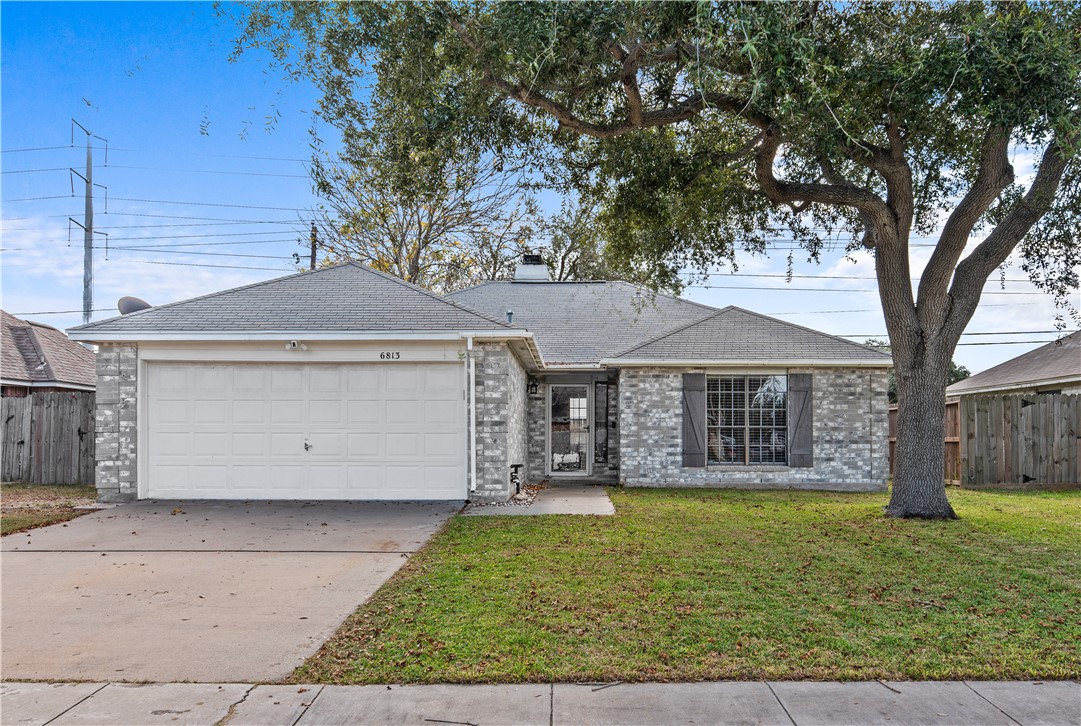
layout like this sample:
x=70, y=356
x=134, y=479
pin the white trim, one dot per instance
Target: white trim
x=142, y=429
x=46, y=384
x=706, y=363
x=471, y=374
x=286, y=335
x=1017, y=386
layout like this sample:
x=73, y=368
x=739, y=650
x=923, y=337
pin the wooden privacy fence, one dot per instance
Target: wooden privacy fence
x=48, y=438
x=1020, y=440
x=953, y=441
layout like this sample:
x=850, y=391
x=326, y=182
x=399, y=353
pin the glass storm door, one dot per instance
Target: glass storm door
x=569, y=437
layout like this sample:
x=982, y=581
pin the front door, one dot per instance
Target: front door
x=569, y=441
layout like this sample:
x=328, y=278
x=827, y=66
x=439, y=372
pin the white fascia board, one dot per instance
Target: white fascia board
x=283, y=335
x=1015, y=386
x=701, y=362
x=47, y=384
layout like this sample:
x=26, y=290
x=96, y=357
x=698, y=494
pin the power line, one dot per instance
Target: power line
x=211, y=171
x=823, y=277
x=227, y=267
x=34, y=171
x=208, y=204
x=190, y=252
x=830, y=289
x=36, y=148
x=61, y=312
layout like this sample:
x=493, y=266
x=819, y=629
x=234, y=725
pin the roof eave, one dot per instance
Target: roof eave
x=135, y=336
x=791, y=362
x=1012, y=385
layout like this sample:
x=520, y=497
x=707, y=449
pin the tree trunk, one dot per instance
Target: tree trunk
x=919, y=482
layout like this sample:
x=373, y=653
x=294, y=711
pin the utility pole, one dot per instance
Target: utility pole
x=88, y=218
x=314, y=238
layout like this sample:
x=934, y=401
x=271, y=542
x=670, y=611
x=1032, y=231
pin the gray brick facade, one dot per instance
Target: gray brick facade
x=116, y=424
x=501, y=420
x=851, y=449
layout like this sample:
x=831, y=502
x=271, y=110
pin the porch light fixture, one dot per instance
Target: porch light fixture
x=532, y=387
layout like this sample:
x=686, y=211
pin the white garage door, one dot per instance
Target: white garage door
x=317, y=431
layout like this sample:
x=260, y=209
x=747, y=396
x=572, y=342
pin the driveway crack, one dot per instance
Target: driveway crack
x=233, y=707
x=81, y=701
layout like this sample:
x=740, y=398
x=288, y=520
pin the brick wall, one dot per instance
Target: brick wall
x=115, y=423
x=851, y=448
x=501, y=419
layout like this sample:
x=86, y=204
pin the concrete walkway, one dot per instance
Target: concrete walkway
x=787, y=702
x=553, y=500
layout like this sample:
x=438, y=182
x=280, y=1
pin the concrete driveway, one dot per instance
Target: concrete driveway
x=196, y=591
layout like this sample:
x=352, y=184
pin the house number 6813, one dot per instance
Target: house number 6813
x=390, y=355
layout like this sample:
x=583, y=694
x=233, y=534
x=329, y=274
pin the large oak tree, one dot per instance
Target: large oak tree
x=702, y=129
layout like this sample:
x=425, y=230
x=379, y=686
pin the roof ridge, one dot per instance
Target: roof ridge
x=429, y=293
x=812, y=330
x=730, y=308
x=42, y=363
x=668, y=295
x=680, y=329
x=209, y=295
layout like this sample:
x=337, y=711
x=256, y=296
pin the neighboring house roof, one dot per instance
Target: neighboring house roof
x=33, y=354
x=1056, y=362
x=348, y=297
x=735, y=335
x=580, y=323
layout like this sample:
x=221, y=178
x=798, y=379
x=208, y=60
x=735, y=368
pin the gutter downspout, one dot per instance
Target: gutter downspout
x=471, y=374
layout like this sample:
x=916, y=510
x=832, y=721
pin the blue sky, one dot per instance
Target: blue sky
x=193, y=165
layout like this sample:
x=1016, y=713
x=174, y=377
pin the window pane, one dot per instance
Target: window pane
x=747, y=419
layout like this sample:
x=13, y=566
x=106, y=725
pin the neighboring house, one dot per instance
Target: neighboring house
x=37, y=357
x=347, y=383
x=1052, y=368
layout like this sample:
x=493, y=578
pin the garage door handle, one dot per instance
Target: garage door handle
x=307, y=446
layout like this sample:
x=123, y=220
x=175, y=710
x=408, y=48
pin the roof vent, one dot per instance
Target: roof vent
x=128, y=305
x=531, y=269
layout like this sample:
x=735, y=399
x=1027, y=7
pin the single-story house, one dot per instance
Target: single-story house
x=347, y=383
x=38, y=357
x=1051, y=368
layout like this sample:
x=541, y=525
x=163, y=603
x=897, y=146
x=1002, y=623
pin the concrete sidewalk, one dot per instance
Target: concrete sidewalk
x=787, y=702
x=553, y=500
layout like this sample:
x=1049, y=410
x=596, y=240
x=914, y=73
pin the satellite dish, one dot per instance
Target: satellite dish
x=128, y=305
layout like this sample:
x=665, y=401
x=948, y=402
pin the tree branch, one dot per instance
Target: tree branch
x=974, y=270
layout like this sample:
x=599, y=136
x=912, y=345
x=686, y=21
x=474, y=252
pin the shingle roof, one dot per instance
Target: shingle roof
x=735, y=334
x=35, y=353
x=580, y=323
x=1058, y=360
x=347, y=297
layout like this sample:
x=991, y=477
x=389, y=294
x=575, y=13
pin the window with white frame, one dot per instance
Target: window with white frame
x=747, y=419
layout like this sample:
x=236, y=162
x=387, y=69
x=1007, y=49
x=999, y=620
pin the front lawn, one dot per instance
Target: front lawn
x=692, y=585
x=26, y=506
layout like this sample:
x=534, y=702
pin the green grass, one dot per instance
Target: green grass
x=26, y=506
x=691, y=585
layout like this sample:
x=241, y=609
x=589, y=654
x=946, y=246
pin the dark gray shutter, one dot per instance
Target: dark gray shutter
x=694, y=419
x=800, y=420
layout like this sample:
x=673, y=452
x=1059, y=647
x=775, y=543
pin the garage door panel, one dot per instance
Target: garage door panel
x=442, y=445
x=325, y=379
x=249, y=412
x=287, y=412
x=325, y=412
x=441, y=382
x=364, y=412
x=249, y=444
x=287, y=379
x=402, y=445
x=375, y=431
x=211, y=411
x=403, y=412
x=364, y=446
x=212, y=379
x=211, y=443
x=442, y=413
